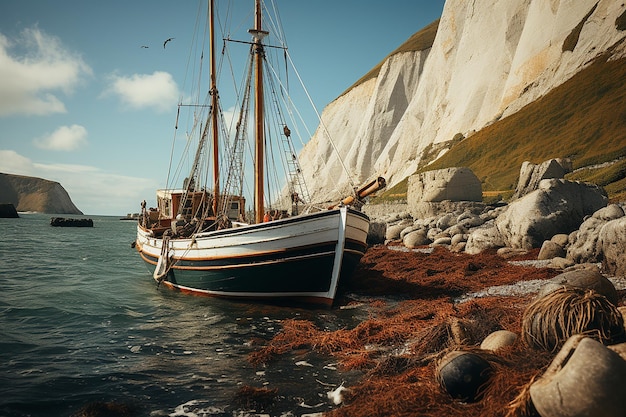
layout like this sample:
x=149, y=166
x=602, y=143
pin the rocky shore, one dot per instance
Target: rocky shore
x=425, y=303
x=569, y=221
x=483, y=310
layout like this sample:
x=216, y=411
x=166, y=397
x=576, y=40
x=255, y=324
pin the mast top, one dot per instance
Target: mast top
x=259, y=35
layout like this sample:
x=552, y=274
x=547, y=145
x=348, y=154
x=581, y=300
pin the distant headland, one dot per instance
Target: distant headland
x=35, y=194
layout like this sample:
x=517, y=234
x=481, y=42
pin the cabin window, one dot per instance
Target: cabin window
x=164, y=207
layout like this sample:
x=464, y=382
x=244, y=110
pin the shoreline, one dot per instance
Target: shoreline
x=419, y=310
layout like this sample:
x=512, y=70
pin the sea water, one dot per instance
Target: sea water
x=82, y=322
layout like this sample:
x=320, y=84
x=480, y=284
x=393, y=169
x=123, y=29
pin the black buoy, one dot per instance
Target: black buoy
x=464, y=374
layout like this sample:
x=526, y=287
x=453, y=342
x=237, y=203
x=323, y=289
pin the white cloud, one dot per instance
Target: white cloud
x=157, y=90
x=13, y=163
x=74, y=169
x=92, y=190
x=65, y=138
x=101, y=192
x=29, y=83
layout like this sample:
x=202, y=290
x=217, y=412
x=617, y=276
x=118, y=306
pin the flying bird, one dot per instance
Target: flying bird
x=166, y=41
x=144, y=46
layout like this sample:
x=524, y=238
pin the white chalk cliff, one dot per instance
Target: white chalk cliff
x=489, y=58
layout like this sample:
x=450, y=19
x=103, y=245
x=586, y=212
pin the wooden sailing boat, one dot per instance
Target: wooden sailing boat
x=199, y=240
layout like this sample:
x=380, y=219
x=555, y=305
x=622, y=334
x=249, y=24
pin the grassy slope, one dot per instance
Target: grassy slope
x=583, y=119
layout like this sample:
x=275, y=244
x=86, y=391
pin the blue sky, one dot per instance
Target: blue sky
x=84, y=104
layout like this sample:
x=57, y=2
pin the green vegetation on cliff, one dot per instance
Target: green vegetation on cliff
x=420, y=41
x=583, y=119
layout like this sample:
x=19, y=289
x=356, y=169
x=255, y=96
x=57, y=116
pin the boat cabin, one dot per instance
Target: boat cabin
x=178, y=207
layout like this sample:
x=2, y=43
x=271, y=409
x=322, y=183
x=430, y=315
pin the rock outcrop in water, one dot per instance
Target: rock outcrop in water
x=35, y=194
x=7, y=211
x=63, y=222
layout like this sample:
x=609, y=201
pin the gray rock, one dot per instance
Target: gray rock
x=612, y=244
x=441, y=241
x=456, y=230
x=458, y=247
x=610, y=212
x=433, y=233
x=560, y=239
x=473, y=220
x=410, y=229
x=560, y=263
x=454, y=184
x=415, y=239
x=458, y=238
x=377, y=232
x=441, y=234
x=584, y=243
x=550, y=249
x=485, y=237
x=558, y=206
x=531, y=175
x=446, y=221
x=582, y=278
x=393, y=232
x=507, y=253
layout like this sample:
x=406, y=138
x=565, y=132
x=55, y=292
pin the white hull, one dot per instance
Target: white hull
x=301, y=257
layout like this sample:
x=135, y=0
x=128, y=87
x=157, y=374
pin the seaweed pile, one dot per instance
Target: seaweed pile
x=415, y=320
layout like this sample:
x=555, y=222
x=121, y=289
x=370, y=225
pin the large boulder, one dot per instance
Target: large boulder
x=454, y=184
x=584, y=246
x=612, y=243
x=484, y=237
x=531, y=175
x=558, y=206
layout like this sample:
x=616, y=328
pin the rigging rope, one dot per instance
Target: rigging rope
x=322, y=124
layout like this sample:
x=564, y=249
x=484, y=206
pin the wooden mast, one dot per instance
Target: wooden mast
x=259, y=54
x=214, y=109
